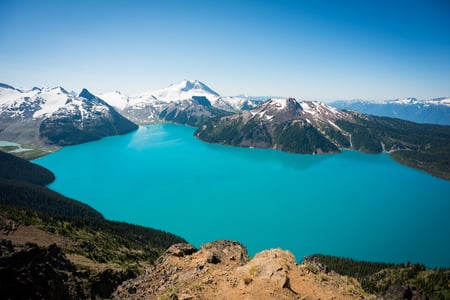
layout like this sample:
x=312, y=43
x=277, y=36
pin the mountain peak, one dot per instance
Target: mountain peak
x=86, y=94
x=185, y=90
x=188, y=85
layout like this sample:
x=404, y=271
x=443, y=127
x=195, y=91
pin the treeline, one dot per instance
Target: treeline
x=377, y=277
x=15, y=168
x=34, y=197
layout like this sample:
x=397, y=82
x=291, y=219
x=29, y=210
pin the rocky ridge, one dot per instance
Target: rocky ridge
x=223, y=270
x=177, y=103
x=46, y=117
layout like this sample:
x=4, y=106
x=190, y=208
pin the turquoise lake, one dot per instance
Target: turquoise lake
x=351, y=204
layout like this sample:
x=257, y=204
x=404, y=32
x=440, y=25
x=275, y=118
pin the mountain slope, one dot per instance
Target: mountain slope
x=313, y=127
x=193, y=112
x=89, y=120
x=433, y=111
x=55, y=116
x=14, y=168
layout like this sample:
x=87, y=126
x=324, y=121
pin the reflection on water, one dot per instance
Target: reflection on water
x=290, y=160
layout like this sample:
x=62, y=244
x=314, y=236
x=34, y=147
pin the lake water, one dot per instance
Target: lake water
x=350, y=204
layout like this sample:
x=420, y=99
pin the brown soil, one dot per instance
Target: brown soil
x=222, y=270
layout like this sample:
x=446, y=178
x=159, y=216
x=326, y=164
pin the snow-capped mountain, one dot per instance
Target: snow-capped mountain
x=434, y=111
x=314, y=127
x=147, y=107
x=55, y=116
x=185, y=90
x=287, y=109
x=282, y=123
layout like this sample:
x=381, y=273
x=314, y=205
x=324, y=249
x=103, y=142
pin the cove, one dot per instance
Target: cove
x=356, y=205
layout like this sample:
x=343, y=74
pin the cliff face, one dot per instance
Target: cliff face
x=223, y=270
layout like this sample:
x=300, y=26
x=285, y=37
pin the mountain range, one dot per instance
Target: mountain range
x=314, y=127
x=177, y=102
x=55, y=117
x=432, y=111
x=44, y=116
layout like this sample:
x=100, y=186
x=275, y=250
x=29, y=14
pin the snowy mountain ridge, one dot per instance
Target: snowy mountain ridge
x=432, y=111
x=54, y=116
x=185, y=90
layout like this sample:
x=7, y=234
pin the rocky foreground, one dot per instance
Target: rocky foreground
x=223, y=270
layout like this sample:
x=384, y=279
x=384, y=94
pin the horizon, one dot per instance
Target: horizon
x=69, y=90
x=319, y=50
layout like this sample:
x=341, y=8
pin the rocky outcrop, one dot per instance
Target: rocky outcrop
x=193, y=112
x=223, y=270
x=36, y=272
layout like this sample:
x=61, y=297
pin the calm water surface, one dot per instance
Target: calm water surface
x=350, y=204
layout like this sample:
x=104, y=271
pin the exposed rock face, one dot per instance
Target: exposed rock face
x=194, y=111
x=222, y=270
x=91, y=120
x=57, y=117
x=45, y=273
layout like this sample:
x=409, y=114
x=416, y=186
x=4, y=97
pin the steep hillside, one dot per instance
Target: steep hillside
x=390, y=281
x=313, y=127
x=44, y=117
x=14, y=168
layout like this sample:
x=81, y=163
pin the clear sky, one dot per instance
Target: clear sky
x=312, y=50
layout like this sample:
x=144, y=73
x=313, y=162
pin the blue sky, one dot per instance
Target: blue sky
x=314, y=50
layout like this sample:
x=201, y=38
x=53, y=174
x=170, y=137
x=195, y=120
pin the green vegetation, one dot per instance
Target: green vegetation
x=14, y=168
x=223, y=131
x=378, y=277
x=301, y=138
x=422, y=146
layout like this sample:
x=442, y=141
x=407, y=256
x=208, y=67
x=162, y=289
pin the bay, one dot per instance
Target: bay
x=351, y=204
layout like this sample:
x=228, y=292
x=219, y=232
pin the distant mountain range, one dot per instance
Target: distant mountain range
x=54, y=116
x=177, y=102
x=433, y=111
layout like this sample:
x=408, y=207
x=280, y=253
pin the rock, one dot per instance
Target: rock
x=180, y=250
x=219, y=270
x=226, y=251
x=271, y=266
